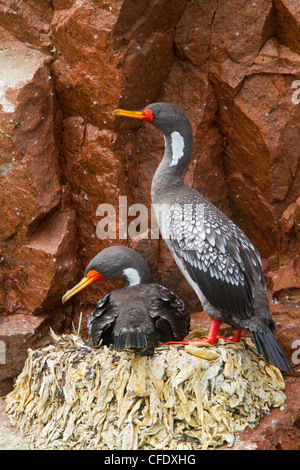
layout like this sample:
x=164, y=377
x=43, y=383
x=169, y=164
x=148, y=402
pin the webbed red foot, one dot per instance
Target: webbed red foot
x=236, y=337
x=212, y=337
x=195, y=340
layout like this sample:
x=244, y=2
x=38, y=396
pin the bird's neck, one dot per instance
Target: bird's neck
x=168, y=176
x=133, y=277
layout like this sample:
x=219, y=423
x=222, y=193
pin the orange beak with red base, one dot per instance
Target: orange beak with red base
x=92, y=276
x=145, y=115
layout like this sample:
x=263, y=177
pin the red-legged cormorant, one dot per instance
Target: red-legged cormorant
x=218, y=260
x=137, y=317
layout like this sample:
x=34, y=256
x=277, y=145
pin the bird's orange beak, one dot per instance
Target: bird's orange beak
x=92, y=276
x=145, y=115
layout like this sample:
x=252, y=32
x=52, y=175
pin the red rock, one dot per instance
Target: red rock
x=193, y=31
x=249, y=208
x=143, y=43
x=84, y=50
x=239, y=37
x=288, y=23
x=260, y=151
x=53, y=264
x=17, y=334
x=236, y=39
x=297, y=225
x=285, y=282
x=287, y=221
x=91, y=40
x=29, y=21
x=269, y=113
x=199, y=320
x=29, y=191
x=275, y=58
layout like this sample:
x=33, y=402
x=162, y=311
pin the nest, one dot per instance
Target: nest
x=71, y=396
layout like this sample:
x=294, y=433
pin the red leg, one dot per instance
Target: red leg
x=236, y=337
x=211, y=338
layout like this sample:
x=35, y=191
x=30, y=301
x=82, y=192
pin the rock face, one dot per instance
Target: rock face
x=65, y=65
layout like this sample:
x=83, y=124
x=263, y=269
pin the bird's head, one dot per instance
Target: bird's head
x=164, y=116
x=115, y=262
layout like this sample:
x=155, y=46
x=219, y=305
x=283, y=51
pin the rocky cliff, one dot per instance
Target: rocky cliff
x=232, y=66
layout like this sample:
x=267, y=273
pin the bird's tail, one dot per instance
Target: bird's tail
x=268, y=346
x=131, y=339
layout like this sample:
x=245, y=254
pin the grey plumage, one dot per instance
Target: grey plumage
x=139, y=316
x=215, y=256
x=221, y=251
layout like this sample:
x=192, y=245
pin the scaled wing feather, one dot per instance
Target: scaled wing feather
x=218, y=257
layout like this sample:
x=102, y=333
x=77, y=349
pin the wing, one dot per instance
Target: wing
x=169, y=312
x=100, y=321
x=217, y=256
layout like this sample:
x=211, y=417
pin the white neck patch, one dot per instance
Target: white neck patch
x=177, y=143
x=132, y=276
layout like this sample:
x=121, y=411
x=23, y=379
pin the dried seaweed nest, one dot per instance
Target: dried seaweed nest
x=71, y=396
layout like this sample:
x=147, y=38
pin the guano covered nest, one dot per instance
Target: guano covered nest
x=71, y=396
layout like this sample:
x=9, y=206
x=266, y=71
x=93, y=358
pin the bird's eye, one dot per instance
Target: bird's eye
x=156, y=112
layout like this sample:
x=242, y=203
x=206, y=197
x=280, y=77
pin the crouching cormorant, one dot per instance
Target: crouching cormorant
x=137, y=317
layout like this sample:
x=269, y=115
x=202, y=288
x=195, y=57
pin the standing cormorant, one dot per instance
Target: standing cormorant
x=217, y=259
